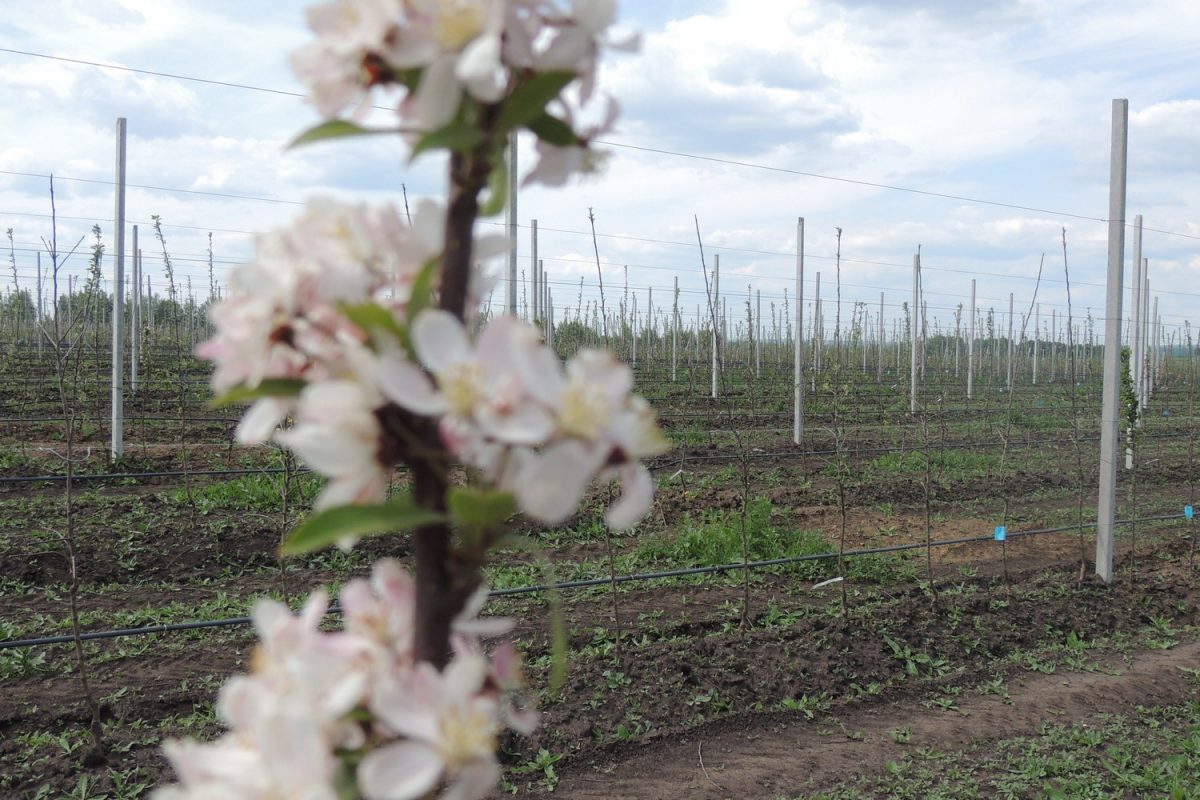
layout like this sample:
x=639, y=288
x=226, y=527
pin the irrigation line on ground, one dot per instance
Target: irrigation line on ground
x=129, y=420
x=664, y=464
x=118, y=476
x=589, y=582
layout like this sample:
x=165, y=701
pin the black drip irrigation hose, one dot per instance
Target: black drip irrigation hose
x=590, y=582
x=657, y=466
x=118, y=476
x=129, y=420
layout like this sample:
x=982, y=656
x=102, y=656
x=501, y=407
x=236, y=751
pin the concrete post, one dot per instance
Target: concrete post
x=913, y=336
x=758, y=335
x=117, y=444
x=1010, y=341
x=1037, y=334
x=533, y=264
x=1110, y=413
x=1135, y=326
x=716, y=330
x=879, y=366
x=1144, y=339
x=675, y=333
x=798, y=350
x=135, y=309
x=971, y=348
x=510, y=219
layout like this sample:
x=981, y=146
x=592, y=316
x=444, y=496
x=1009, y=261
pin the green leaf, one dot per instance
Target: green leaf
x=560, y=644
x=268, y=387
x=375, y=319
x=530, y=98
x=327, y=527
x=421, y=296
x=333, y=129
x=552, y=130
x=476, y=508
x=497, y=189
x=457, y=135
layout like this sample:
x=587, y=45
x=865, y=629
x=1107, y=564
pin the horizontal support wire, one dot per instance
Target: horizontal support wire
x=592, y=582
x=653, y=466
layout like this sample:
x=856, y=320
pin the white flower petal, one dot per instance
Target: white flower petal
x=637, y=495
x=268, y=616
x=327, y=450
x=366, y=487
x=410, y=707
x=261, y=419
x=541, y=373
x=437, y=97
x=594, y=15
x=522, y=720
x=440, y=340
x=480, y=69
x=401, y=771
x=522, y=424
x=553, y=482
x=429, y=227
x=474, y=782
x=464, y=676
x=408, y=386
x=468, y=622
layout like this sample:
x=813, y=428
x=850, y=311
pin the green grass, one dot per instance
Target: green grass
x=261, y=493
x=1155, y=753
x=952, y=463
x=716, y=538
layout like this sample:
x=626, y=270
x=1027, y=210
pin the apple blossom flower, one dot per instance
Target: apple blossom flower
x=600, y=425
x=281, y=320
x=381, y=610
x=450, y=730
x=555, y=164
x=476, y=384
x=316, y=702
x=337, y=66
x=439, y=52
x=338, y=435
x=508, y=409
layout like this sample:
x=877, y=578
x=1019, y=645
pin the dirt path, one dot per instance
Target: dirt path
x=775, y=754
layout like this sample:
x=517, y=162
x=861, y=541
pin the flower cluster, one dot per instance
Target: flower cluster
x=285, y=315
x=508, y=408
x=444, y=55
x=324, y=710
x=504, y=405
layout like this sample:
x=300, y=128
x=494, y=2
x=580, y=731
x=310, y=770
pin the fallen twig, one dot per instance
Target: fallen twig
x=700, y=754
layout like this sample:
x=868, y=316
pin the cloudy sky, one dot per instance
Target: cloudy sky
x=743, y=114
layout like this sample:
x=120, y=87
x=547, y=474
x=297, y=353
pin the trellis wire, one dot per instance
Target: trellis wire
x=593, y=582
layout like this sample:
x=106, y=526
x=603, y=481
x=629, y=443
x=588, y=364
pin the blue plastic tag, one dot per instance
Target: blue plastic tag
x=1188, y=512
x=1001, y=533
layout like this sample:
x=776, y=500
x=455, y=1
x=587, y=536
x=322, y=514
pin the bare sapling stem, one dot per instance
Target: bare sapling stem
x=1006, y=434
x=612, y=586
x=66, y=347
x=927, y=491
x=725, y=418
x=599, y=276
x=1191, y=405
x=1072, y=387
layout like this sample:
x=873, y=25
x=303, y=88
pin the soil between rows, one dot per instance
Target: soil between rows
x=678, y=646
x=772, y=755
x=632, y=719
